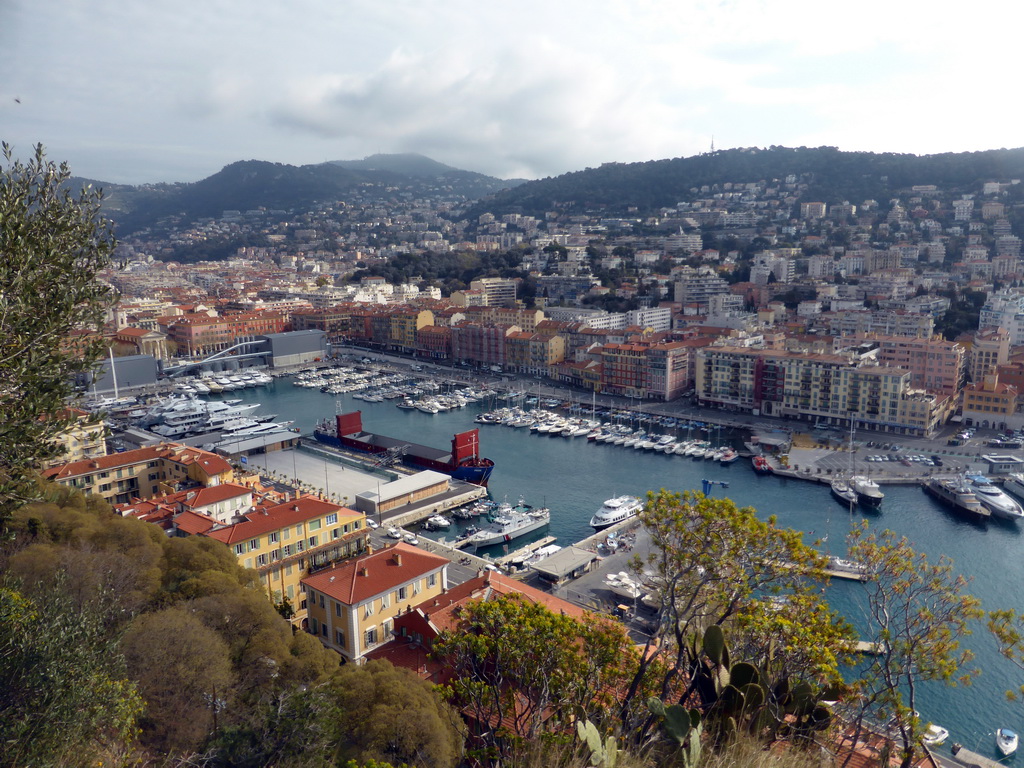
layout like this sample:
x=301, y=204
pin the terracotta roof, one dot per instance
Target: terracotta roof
x=193, y=523
x=354, y=581
x=275, y=518
x=211, y=462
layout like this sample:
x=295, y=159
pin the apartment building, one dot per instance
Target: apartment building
x=143, y=473
x=352, y=607
x=991, y=403
x=989, y=349
x=481, y=344
x=832, y=388
x=533, y=353
x=81, y=440
x=286, y=542
x=934, y=364
x=497, y=291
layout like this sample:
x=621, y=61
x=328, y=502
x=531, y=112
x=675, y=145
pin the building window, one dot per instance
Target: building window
x=432, y=580
x=261, y=561
x=401, y=594
x=323, y=630
x=254, y=544
x=335, y=533
x=337, y=610
x=272, y=537
x=371, y=637
x=240, y=549
x=321, y=601
x=339, y=638
x=313, y=541
x=384, y=602
x=331, y=519
x=314, y=525
x=315, y=626
x=286, y=550
x=368, y=610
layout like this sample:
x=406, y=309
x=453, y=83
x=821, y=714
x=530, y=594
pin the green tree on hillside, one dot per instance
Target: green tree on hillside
x=917, y=612
x=52, y=246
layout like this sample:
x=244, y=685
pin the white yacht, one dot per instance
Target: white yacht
x=1015, y=484
x=615, y=511
x=1006, y=741
x=867, y=490
x=998, y=501
x=509, y=523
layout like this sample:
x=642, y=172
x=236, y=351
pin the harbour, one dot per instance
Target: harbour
x=574, y=477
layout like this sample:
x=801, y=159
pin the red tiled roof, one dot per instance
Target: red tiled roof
x=211, y=462
x=278, y=516
x=353, y=581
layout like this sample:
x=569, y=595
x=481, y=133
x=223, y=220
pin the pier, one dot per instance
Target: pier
x=529, y=549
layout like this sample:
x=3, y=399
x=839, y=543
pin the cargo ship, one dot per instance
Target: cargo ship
x=463, y=461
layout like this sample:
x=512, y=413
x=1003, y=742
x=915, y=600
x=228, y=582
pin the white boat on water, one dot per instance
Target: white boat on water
x=842, y=491
x=867, y=490
x=509, y=523
x=615, y=511
x=934, y=736
x=1006, y=741
x=1015, y=484
x=998, y=501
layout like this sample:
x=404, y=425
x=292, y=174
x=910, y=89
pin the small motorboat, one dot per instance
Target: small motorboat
x=934, y=736
x=1006, y=741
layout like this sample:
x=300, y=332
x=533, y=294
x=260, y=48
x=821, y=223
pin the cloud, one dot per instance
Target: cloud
x=531, y=89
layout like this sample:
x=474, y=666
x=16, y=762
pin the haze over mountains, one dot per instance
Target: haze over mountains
x=617, y=188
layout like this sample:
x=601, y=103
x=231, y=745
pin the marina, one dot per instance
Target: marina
x=575, y=476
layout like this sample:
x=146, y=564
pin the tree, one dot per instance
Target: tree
x=384, y=712
x=52, y=247
x=713, y=563
x=184, y=674
x=917, y=613
x=515, y=665
x=64, y=696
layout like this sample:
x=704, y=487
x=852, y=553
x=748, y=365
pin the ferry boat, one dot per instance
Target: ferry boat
x=998, y=502
x=509, y=523
x=463, y=461
x=615, y=511
x=956, y=493
x=761, y=465
x=867, y=490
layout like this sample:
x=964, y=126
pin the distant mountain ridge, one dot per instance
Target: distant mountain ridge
x=618, y=188
x=249, y=184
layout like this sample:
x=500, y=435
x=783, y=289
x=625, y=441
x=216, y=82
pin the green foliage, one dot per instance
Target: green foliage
x=197, y=629
x=383, y=712
x=712, y=565
x=683, y=726
x=52, y=246
x=65, y=696
x=516, y=663
x=603, y=754
x=918, y=611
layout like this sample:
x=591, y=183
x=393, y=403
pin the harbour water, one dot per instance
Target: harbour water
x=573, y=478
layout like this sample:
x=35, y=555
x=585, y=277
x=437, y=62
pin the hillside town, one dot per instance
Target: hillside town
x=901, y=315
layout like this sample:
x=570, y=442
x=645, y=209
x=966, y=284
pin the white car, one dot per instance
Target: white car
x=372, y=524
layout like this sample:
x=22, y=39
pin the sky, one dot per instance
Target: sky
x=158, y=91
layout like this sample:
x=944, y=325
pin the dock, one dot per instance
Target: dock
x=838, y=573
x=961, y=757
x=529, y=549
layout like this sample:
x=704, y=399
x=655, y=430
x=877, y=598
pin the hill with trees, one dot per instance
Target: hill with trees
x=834, y=176
x=250, y=184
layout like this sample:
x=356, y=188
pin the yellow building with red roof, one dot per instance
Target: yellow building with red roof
x=352, y=607
x=143, y=473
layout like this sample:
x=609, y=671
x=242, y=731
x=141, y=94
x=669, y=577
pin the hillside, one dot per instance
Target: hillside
x=252, y=184
x=834, y=176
